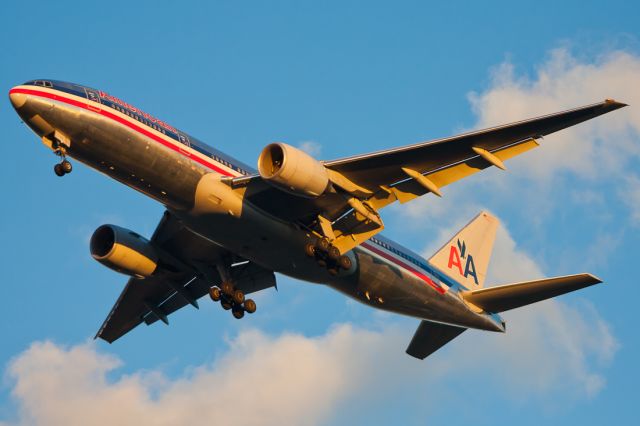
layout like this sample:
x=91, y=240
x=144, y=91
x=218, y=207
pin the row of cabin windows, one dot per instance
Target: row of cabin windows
x=220, y=160
x=160, y=129
x=410, y=259
x=138, y=118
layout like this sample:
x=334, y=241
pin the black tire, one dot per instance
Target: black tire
x=250, y=306
x=333, y=271
x=323, y=244
x=334, y=253
x=215, y=294
x=58, y=170
x=227, y=288
x=310, y=250
x=238, y=297
x=322, y=263
x=226, y=305
x=66, y=166
x=238, y=312
x=345, y=262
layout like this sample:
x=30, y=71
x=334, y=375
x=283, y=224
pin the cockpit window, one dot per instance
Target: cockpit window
x=43, y=83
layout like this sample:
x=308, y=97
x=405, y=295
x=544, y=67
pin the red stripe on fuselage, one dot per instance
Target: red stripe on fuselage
x=175, y=147
x=415, y=272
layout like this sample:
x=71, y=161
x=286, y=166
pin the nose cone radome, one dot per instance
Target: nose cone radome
x=17, y=98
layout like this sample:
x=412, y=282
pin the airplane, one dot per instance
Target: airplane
x=228, y=228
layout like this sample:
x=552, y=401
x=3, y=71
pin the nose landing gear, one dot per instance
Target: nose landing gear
x=64, y=167
x=233, y=299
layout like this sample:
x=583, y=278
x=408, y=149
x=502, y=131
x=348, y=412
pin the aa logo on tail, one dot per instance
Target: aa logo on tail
x=459, y=254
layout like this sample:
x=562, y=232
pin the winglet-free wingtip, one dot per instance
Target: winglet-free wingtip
x=613, y=102
x=595, y=279
x=98, y=336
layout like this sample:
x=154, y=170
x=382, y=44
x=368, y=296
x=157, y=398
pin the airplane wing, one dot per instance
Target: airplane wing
x=154, y=298
x=369, y=182
x=447, y=160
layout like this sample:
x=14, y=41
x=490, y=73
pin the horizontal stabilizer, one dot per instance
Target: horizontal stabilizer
x=510, y=296
x=431, y=336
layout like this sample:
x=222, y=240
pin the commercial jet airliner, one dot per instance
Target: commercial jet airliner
x=227, y=227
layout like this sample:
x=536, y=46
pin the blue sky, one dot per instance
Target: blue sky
x=341, y=78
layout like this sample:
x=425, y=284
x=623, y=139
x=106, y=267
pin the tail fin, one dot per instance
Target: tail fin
x=466, y=257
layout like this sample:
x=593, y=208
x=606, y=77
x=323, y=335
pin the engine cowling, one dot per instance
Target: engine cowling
x=124, y=251
x=293, y=170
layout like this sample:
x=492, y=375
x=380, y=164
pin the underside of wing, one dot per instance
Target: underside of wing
x=171, y=288
x=362, y=185
x=385, y=167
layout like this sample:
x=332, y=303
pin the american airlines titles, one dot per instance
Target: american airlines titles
x=137, y=111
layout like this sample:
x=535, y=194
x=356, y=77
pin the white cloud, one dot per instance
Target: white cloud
x=312, y=148
x=593, y=149
x=509, y=263
x=552, y=353
x=600, y=152
x=293, y=379
x=260, y=380
x=548, y=346
x=630, y=194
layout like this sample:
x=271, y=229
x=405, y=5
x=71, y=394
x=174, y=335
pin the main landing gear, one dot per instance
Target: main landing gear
x=64, y=167
x=328, y=256
x=233, y=299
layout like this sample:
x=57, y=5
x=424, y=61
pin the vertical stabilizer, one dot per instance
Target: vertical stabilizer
x=466, y=256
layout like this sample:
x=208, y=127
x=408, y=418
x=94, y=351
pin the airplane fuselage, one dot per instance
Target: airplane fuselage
x=192, y=180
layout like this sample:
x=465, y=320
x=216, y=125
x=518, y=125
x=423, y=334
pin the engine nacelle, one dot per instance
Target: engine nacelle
x=293, y=170
x=124, y=251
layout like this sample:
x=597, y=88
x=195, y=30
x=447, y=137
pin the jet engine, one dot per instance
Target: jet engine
x=124, y=251
x=293, y=170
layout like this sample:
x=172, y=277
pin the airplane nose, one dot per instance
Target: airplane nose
x=17, y=99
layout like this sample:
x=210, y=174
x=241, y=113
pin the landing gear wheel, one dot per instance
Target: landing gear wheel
x=227, y=288
x=226, y=305
x=66, y=166
x=58, y=170
x=345, y=262
x=250, y=306
x=215, y=294
x=334, y=253
x=323, y=244
x=310, y=250
x=238, y=312
x=238, y=297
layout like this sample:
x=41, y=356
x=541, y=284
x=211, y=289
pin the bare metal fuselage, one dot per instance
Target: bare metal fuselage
x=211, y=208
